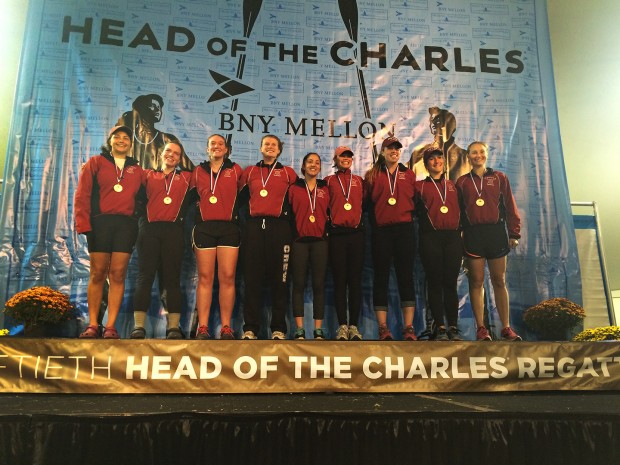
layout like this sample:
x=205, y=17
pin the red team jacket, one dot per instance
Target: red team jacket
x=338, y=186
x=225, y=190
x=95, y=194
x=402, y=212
x=429, y=202
x=300, y=204
x=499, y=203
x=274, y=204
x=155, y=182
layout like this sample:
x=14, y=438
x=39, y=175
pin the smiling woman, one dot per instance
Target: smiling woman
x=12, y=24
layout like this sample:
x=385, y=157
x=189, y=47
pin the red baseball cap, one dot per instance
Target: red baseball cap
x=391, y=141
x=125, y=129
x=343, y=149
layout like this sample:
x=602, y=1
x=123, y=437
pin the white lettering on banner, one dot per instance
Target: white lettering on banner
x=440, y=367
x=341, y=367
x=267, y=364
x=547, y=367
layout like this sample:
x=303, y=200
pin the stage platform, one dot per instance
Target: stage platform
x=560, y=427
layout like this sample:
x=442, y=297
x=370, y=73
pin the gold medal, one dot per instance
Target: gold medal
x=392, y=201
x=213, y=199
x=263, y=192
x=443, y=209
x=167, y=200
x=118, y=188
x=480, y=202
x=312, y=219
x=348, y=206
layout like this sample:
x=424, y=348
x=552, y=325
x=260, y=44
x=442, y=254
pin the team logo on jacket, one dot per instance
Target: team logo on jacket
x=130, y=169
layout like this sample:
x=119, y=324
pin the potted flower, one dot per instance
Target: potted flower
x=39, y=307
x=604, y=333
x=553, y=319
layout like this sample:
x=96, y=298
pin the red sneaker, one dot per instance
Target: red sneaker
x=482, y=334
x=409, y=334
x=508, y=334
x=385, y=334
x=227, y=333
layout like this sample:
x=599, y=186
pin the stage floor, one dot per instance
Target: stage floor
x=556, y=403
x=504, y=428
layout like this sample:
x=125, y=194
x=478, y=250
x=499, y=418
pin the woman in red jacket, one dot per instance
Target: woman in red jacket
x=391, y=190
x=346, y=242
x=160, y=244
x=441, y=249
x=105, y=203
x=309, y=199
x=491, y=228
x=217, y=236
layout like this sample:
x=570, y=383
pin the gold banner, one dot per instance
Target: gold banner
x=199, y=367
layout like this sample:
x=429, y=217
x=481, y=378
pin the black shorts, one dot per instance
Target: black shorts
x=212, y=234
x=486, y=241
x=112, y=233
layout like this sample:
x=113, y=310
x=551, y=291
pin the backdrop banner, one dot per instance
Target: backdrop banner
x=319, y=75
x=201, y=367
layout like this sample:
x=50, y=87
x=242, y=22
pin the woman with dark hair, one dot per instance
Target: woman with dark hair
x=391, y=191
x=346, y=242
x=160, y=243
x=105, y=204
x=491, y=229
x=441, y=249
x=267, y=238
x=309, y=198
x=216, y=236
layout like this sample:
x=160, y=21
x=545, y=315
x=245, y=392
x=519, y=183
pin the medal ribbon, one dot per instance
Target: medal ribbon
x=168, y=187
x=479, y=192
x=392, y=188
x=348, y=192
x=269, y=169
x=217, y=176
x=311, y=197
x=445, y=190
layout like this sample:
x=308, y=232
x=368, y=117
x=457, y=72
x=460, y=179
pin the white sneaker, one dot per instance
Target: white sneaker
x=354, y=334
x=278, y=335
x=249, y=335
x=342, y=334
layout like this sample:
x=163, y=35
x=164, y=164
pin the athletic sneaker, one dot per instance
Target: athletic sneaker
x=138, y=333
x=202, y=332
x=482, y=334
x=174, y=333
x=454, y=333
x=354, y=334
x=278, y=336
x=249, y=335
x=227, y=333
x=385, y=334
x=300, y=333
x=343, y=333
x=442, y=335
x=319, y=334
x=508, y=334
x=409, y=334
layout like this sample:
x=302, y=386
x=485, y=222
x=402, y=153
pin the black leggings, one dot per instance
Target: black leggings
x=346, y=255
x=442, y=254
x=160, y=248
x=266, y=246
x=309, y=256
x=393, y=242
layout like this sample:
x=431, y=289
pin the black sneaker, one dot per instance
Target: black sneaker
x=454, y=333
x=174, y=333
x=319, y=334
x=442, y=335
x=138, y=333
